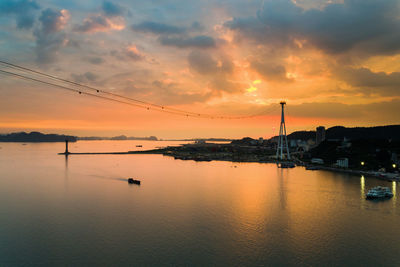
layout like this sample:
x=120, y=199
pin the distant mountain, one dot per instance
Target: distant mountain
x=302, y=135
x=339, y=132
x=213, y=139
x=35, y=137
x=244, y=141
x=119, y=137
x=378, y=132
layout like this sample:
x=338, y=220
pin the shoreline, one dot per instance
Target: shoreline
x=245, y=158
x=380, y=175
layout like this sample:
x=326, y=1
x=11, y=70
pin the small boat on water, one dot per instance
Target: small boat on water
x=139, y=146
x=379, y=192
x=133, y=181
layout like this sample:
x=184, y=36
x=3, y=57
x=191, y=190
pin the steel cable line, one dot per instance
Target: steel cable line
x=99, y=96
x=81, y=92
x=20, y=68
x=175, y=111
x=141, y=104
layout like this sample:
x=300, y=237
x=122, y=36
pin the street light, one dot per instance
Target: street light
x=362, y=163
x=394, y=166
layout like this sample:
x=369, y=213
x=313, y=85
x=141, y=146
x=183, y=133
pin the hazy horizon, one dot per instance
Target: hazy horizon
x=175, y=138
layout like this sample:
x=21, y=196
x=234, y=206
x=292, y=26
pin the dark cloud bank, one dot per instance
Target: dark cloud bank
x=23, y=10
x=371, y=26
x=174, y=36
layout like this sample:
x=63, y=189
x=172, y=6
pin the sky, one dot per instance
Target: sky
x=333, y=62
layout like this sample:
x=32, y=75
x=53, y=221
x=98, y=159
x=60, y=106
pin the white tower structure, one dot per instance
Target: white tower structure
x=282, y=139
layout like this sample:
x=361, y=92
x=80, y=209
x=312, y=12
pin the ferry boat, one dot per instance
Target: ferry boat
x=379, y=192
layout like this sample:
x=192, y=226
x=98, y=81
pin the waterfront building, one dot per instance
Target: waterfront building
x=294, y=143
x=320, y=135
x=342, y=162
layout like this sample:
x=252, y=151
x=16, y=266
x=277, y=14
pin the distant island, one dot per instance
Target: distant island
x=119, y=137
x=203, y=139
x=35, y=137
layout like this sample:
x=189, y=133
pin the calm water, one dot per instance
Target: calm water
x=81, y=211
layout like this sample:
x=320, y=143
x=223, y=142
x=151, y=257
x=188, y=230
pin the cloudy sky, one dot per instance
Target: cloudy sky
x=334, y=62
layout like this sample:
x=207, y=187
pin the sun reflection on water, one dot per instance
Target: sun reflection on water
x=394, y=194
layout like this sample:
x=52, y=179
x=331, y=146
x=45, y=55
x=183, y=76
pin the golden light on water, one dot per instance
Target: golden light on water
x=362, y=183
x=362, y=191
x=394, y=189
x=394, y=194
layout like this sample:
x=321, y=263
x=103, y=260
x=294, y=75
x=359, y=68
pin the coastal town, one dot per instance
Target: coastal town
x=365, y=151
x=368, y=151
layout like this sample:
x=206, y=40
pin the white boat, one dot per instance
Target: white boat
x=379, y=192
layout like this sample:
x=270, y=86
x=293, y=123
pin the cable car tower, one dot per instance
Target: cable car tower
x=282, y=138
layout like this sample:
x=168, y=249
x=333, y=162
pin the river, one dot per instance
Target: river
x=80, y=211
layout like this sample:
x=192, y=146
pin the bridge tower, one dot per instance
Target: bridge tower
x=282, y=138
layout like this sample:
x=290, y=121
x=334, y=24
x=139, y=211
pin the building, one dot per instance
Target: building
x=293, y=143
x=320, y=135
x=300, y=145
x=317, y=161
x=343, y=162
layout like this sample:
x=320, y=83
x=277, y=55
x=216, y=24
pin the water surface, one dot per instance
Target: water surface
x=80, y=210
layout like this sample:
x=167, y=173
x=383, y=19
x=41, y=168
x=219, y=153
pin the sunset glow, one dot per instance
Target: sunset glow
x=222, y=59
